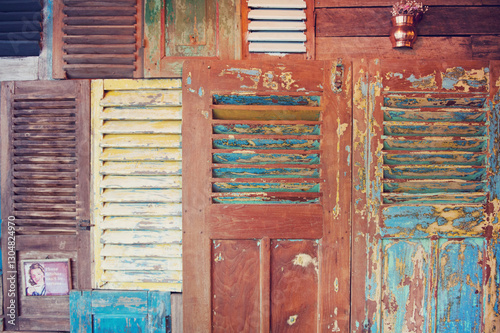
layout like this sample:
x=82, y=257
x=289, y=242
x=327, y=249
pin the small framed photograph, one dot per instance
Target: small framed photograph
x=46, y=277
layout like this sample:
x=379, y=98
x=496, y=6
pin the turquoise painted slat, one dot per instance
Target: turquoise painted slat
x=266, y=187
x=406, y=281
x=435, y=116
x=415, y=221
x=400, y=101
x=438, y=158
x=267, y=129
x=437, y=198
x=459, y=297
x=404, y=129
x=262, y=159
x=265, y=173
x=471, y=145
x=159, y=312
x=263, y=200
x=433, y=187
x=266, y=144
x=266, y=100
x=414, y=172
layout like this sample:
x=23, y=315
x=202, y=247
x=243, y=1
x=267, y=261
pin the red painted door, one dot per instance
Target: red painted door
x=266, y=196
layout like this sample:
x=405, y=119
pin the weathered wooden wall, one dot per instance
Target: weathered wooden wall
x=451, y=29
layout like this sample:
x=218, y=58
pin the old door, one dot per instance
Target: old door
x=45, y=131
x=425, y=196
x=266, y=197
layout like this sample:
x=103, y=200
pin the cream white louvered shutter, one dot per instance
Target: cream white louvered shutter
x=278, y=27
x=137, y=184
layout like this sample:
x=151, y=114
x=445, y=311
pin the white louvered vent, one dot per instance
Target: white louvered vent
x=277, y=26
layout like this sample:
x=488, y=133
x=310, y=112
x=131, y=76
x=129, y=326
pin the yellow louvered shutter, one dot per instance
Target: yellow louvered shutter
x=136, y=161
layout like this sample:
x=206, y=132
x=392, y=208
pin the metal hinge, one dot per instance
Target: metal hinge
x=84, y=225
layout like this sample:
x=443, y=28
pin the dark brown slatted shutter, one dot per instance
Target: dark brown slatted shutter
x=97, y=39
x=20, y=27
x=45, y=192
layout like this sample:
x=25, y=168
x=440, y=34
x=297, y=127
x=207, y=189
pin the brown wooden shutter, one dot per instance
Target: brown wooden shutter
x=425, y=196
x=45, y=191
x=265, y=216
x=97, y=39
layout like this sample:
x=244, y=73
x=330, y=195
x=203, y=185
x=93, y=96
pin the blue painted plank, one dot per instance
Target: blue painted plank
x=267, y=129
x=266, y=144
x=159, y=312
x=460, y=285
x=124, y=323
x=435, y=102
x=20, y=6
x=262, y=159
x=460, y=173
x=435, y=116
x=122, y=302
x=472, y=145
x=19, y=48
x=265, y=173
x=80, y=311
x=436, y=158
x=266, y=100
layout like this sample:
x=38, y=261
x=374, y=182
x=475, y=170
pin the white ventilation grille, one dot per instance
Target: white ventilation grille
x=277, y=26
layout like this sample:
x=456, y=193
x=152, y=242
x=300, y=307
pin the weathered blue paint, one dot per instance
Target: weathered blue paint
x=263, y=200
x=120, y=311
x=425, y=81
x=459, y=293
x=494, y=148
x=266, y=144
x=438, y=102
x=266, y=100
x=262, y=159
x=438, y=158
x=406, y=279
x=413, y=221
x=265, y=173
x=452, y=76
x=435, y=116
x=436, y=199
x=471, y=145
x=348, y=150
x=468, y=130
x=461, y=173
x=266, y=187
x=267, y=129
x=438, y=186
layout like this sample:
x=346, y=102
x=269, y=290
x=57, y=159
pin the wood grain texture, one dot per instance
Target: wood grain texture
x=438, y=21
x=388, y=3
x=294, y=285
x=235, y=286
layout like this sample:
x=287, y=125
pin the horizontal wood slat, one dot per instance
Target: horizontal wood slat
x=88, y=35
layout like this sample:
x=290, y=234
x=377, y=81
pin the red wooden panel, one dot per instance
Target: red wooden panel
x=235, y=286
x=294, y=285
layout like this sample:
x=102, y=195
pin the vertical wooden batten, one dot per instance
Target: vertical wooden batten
x=45, y=191
x=97, y=39
x=136, y=163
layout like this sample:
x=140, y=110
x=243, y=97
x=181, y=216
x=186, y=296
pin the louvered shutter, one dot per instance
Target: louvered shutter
x=20, y=28
x=97, y=39
x=45, y=191
x=137, y=184
x=425, y=194
x=279, y=28
x=262, y=195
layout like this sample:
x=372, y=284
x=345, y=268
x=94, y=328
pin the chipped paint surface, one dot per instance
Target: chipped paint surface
x=304, y=260
x=458, y=78
x=136, y=163
x=292, y=320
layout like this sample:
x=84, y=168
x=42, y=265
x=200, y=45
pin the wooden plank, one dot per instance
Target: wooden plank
x=141, y=182
x=387, y=3
x=447, y=21
x=227, y=221
x=380, y=47
x=294, y=285
x=486, y=47
x=142, y=98
x=141, y=250
x=152, y=113
x=80, y=318
x=25, y=68
x=236, y=297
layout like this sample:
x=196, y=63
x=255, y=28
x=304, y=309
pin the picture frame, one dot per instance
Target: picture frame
x=46, y=277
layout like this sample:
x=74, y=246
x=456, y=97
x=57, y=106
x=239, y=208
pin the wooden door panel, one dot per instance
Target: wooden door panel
x=425, y=193
x=265, y=219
